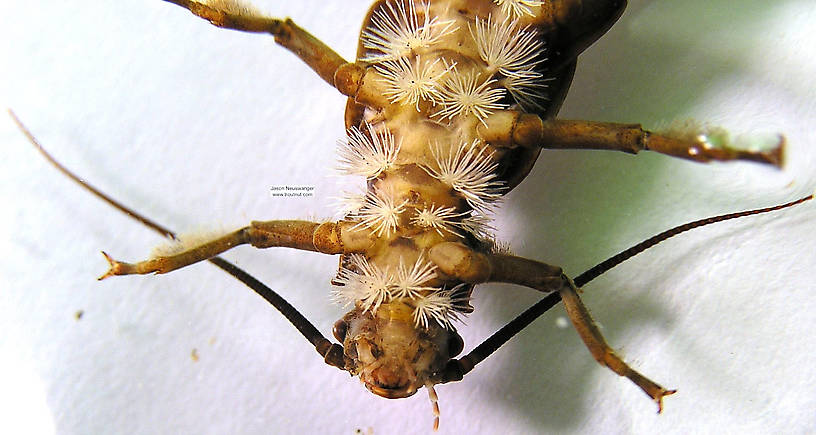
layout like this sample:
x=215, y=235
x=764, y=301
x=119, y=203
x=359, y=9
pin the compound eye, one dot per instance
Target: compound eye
x=340, y=329
x=455, y=345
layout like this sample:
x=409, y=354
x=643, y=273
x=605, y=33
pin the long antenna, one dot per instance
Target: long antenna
x=622, y=256
x=459, y=367
x=323, y=346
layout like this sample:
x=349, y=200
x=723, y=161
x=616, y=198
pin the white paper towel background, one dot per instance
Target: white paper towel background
x=192, y=125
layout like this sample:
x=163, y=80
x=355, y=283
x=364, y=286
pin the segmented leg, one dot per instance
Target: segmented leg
x=457, y=260
x=323, y=60
x=697, y=143
x=600, y=350
x=307, y=236
x=693, y=143
x=332, y=353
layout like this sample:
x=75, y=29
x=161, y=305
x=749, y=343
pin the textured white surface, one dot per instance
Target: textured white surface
x=192, y=125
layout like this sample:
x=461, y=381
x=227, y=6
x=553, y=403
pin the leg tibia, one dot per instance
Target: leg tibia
x=601, y=351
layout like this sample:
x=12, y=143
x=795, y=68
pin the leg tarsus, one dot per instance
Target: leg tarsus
x=112, y=265
x=312, y=51
x=116, y=267
x=244, y=19
x=659, y=400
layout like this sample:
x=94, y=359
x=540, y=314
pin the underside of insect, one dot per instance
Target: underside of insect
x=450, y=104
